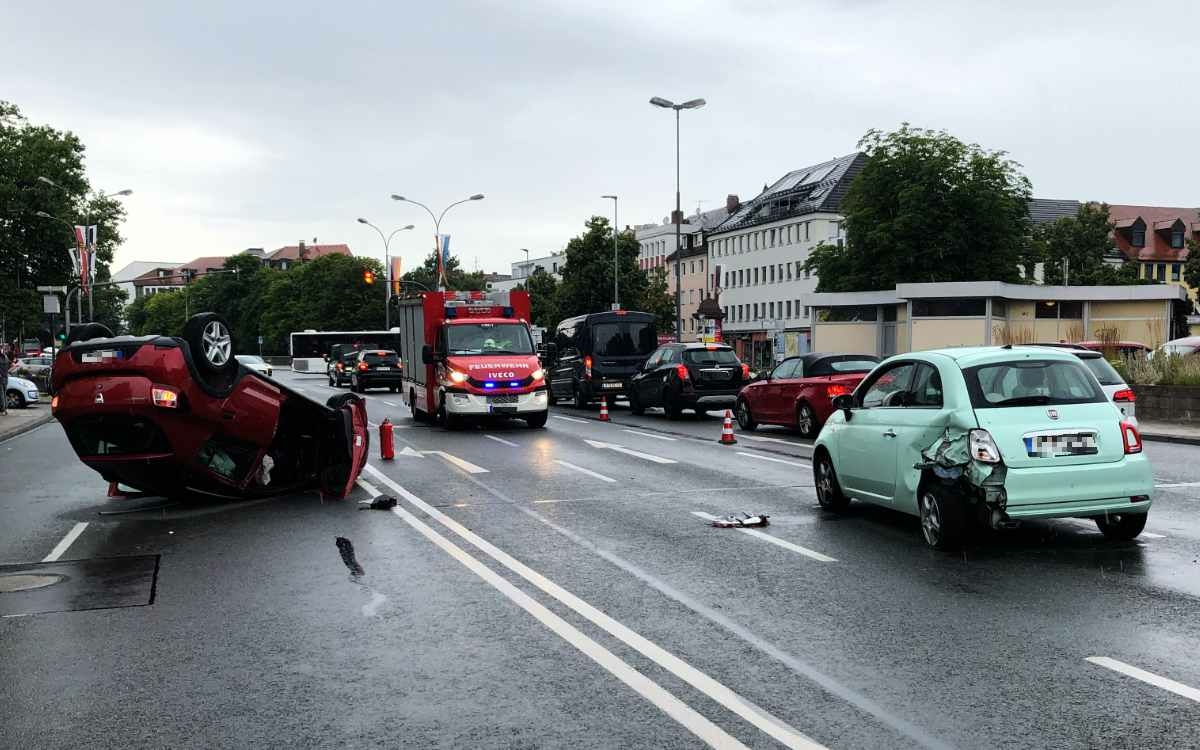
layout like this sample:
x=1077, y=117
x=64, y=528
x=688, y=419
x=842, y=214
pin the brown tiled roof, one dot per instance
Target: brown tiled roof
x=202, y=264
x=1158, y=241
x=151, y=277
x=292, y=252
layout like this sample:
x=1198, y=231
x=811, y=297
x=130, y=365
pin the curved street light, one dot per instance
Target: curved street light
x=387, y=269
x=437, y=222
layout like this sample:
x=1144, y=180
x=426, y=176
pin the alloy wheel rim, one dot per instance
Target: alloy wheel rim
x=805, y=419
x=10, y=400
x=743, y=414
x=931, y=519
x=825, y=482
x=217, y=343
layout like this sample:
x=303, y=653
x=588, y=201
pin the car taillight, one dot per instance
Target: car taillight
x=362, y=367
x=340, y=366
x=983, y=447
x=1130, y=438
x=1125, y=394
x=745, y=371
x=836, y=389
x=54, y=404
x=682, y=372
x=399, y=365
x=587, y=367
x=164, y=397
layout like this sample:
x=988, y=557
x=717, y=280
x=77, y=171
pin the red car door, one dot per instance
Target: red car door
x=775, y=399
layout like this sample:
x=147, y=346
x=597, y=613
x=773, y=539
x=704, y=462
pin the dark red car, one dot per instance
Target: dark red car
x=799, y=392
x=172, y=416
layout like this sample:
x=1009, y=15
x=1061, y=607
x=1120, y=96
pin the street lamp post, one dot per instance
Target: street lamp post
x=616, y=261
x=78, y=300
x=437, y=222
x=387, y=269
x=677, y=217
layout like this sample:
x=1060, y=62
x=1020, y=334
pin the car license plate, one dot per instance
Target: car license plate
x=1051, y=446
x=612, y=385
x=503, y=409
x=98, y=356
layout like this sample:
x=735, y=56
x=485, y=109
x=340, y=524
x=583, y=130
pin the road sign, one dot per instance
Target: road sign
x=260, y=340
x=52, y=289
x=50, y=304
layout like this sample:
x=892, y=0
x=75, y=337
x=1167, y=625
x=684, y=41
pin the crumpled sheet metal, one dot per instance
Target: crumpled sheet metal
x=950, y=457
x=741, y=521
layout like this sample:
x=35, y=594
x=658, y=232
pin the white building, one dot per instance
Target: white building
x=131, y=271
x=522, y=270
x=758, y=253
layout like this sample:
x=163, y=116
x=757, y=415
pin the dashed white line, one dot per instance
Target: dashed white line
x=1158, y=681
x=463, y=464
x=391, y=403
x=755, y=715
x=571, y=419
x=762, y=439
x=582, y=470
x=66, y=542
x=774, y=540
x=649, y=435
x=1173, y=485
x=630, y=452
x=775, y=460
x=368, y=487
x=502, y=440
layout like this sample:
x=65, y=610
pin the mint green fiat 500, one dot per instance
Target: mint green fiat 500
x=991, y=435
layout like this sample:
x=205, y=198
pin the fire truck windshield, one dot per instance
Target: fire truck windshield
x=488, y=338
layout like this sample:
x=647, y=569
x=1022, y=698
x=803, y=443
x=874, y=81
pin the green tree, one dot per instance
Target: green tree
x=1191, y=268
x=1083, y=242
x=238, y=295
x=587, y=275
x=659, y=299
x=327, y=294
x=456, y=278
x=927, y=207
x=543, y=298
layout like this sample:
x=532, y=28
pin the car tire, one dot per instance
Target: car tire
x=943, y=522
x=829, y=491
x=807, y=423
x=577, y=399
x=635, y=404
x=87, y=332
x=671, y=405
x=355, y=385
x=209, y=338
x=394, y=389
x=536, y=421
x=14, y=400
x=339, y=400
x=744, y=417
x=550, y=399
x=1121, y=527
x=417, y=414
x=445, y=418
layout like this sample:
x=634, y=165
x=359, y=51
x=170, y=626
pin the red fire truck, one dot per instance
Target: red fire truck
x=477, y=358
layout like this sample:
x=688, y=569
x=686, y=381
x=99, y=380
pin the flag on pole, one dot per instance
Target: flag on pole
x=396, y=274
x=443, y=259
x=84, y=244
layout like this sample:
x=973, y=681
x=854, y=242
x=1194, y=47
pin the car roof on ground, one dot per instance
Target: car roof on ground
x=970, y=356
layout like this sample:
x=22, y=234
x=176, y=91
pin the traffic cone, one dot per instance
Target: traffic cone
x=727, y=437
x=604, y=408
x=114, y=492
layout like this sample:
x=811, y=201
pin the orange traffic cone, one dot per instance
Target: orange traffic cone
x=727, y=437
x=114, y=492
x=604, y=408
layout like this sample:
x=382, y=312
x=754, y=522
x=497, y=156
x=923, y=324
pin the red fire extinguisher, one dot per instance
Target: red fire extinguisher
x=387, y=450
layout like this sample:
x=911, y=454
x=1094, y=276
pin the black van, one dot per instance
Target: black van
x=597, y=354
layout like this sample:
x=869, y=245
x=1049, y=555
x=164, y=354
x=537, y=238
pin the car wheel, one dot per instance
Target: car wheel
x=211, y=343
x=577, y=399
x=354, y=386
x=14, y=400
x=445, y=418
x=394, y=389
x=829, y=491
x=550, y=399
x=744, y=417
x=1122, y=526
x=87, y=332
x=536, y=421
x=806, y=421
x=635, y=404
x=341, y=399
x=942, y=522
x=671, y=405
x=417, y=414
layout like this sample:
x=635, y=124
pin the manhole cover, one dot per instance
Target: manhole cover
x=27, y=581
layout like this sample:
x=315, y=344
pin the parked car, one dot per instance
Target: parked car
x=1184, y=347
x=1123, y=349
x=172, y=415
x=376, y=368
x=993, y=434
x=798, y=393
x=1111, y=381
x=20, y=393
x=36, y=369
x=700, y=377
x=598, y=354
x=255, y=363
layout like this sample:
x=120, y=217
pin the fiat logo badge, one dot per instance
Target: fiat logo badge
x=1052, y=413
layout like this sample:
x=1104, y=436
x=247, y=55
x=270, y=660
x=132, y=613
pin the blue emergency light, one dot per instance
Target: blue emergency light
x=489, y=384
x=514, y=384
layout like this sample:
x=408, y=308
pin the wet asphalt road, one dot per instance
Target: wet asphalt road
x=535, y=589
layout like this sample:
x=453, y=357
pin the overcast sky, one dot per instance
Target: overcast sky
x=257, y=124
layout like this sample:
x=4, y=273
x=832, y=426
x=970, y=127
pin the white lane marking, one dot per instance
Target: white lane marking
x=372, y=424
x=770, y=440
x=582, y=470
x=630, y=452
x=1169, y=485
x=297, y=388
x=391, y=403
x=1149, y=678
x=502, y=440
x=543, y=502
x=776, y=460
x=408, y=451
x=647, y=434
x=368, y=487
x=755, y=715
x=1152, y=535
x=774, y=540
x=465, y=465
x=571, y=419
x=66, y=542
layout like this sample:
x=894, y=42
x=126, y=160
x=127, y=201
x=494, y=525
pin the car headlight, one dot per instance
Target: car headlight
x=538, y=374
x=457, y=377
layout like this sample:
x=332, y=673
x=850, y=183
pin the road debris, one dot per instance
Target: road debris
x=383, y=502
x=741, y=521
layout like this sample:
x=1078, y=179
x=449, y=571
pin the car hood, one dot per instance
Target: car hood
x=485, y=367
x=20, y=383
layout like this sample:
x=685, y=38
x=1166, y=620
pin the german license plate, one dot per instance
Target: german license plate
x=1051, y=446
x=98, y=356
x=609, y=386
x=503, y=409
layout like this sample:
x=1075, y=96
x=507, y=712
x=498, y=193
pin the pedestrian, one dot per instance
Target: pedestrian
x=5, y=363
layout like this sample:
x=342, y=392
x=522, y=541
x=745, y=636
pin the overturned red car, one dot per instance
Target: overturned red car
x=799, y=392
x=178, y=415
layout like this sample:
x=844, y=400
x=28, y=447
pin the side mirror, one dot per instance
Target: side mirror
x=845, y=402
x=427, y=356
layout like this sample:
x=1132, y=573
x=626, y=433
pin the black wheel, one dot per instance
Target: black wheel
x=354, y=385
x=339, y=400
x=806, y=421
x=445, y=418
x=87, y=332
x=394, y=389
x=744, y=417
x=671, y=405
x=417, y=414
x=537, y=421
x=635, y=404
x=577, y=399
x=1122, y=526
x=942, y=519
x=829, y=492
x=211, y=343
x=14, y=400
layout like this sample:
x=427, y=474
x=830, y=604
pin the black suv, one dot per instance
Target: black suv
x=700, y=377
x=339, y=365
x=375, y=368
x=597, y=354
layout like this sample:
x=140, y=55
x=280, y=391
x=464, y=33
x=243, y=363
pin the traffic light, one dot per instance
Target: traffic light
x=368, y=276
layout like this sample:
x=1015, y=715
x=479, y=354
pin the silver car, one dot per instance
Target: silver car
x=20, y=393
x=1114, y=386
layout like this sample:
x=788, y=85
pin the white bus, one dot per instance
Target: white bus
x=308, y=349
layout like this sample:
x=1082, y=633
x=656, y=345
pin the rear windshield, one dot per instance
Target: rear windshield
x=380, y=358
x=1031, y=382
x=623, y=338
x=1103, y=371
x=710, y=357
x=853, y=365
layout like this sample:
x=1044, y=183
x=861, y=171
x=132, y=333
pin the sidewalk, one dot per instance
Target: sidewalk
x=1169, y=432
x=23, y=420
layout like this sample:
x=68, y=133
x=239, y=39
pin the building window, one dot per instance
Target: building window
x=807, y=273
x=772, y=274
x=788, y=308
x=789, y=271
x=949, y=308
x=1137, y=237
x=847, y=314
x=806, y=311
x=806, y=233
x=1177, y=237
x=781, y=272
x=1161, y=272
x=771, y=311
x=1051, y=310
x=756, y=274
x=1174, y=272
x=701, y=265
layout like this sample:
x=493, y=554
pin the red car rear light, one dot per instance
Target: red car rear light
x=745, y=371
x=340, y=366
x=362, y=367
x=1131, y=439
x=836, y=389
x=587, y=367
x=1125, y=394
x=165, y=398
x=682, y=372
